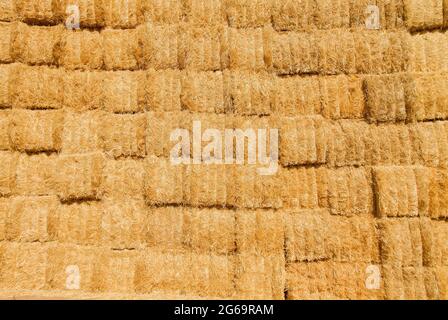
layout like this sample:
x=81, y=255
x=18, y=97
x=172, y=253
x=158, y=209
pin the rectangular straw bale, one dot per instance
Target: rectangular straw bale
x=331, y=14
x=345, y=191
x=8, y=173
x=203, y=92
x=204, y=186
x=83, y=90
x=163, y=11
x=421, y=14
x=4, y=209
x=248, y=13
x=441, y=133
x=160, y=127
x=292, y=52
x=123, y=179
x=124, y=91
x=191, y=274
x=163, y=182
x=306, y=235
x=248, y=93
x=32, y=219
x=61, y=256
x=35, y=45
x=292, y=96
x=385, y=98
x=396, y=192
x=36, y=87
x=79, y=176
x=161, y=46
x=36, y=131
x=426, y=52
x=328, y=280
x=81, y=50
x=302, y=141
x=23, y=266
x=259, y=232
x=36, y=12
x=203, y=49
x=5, y=88
x=124, y=135
x=91, y=13
x=335, y=52
x=247, y=49
x=439, y=254
x=125, y=14
x=81, y=132
x=6, y=36
x=260, y=277
x=163, y=90
x=164, y=228
x=425, y=149
x=121, y=49
x=445, y=25
x=80, y=223
x=293, y=15
x=36, y=175
x=240, y=186
x=205, y=12
x=5, y=121
x=427, y=97
x=438, y=188
x=391, y=13
x=299, y=188
x=7, y=10
x=122, y=224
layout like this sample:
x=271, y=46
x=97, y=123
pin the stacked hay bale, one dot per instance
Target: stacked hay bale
x=92, y=205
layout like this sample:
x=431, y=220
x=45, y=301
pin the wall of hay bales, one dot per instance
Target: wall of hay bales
x=86, y=184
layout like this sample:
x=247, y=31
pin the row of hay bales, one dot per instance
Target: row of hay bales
x=323, y=256
x=400, y=97
x=391, y=191
x=282, y=15
x=218, y=48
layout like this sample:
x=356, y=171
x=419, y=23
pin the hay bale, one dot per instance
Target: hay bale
x=5, y=120
x=260, y=277
x=164, y=229
x=124, y=91
x=4, y=209
x=8, y=177
x=163, y=11
x=425, y=52
x=36, y=12
x=80, y=50
x=6, y=36
x=36, y=87
x=124, y=135
x=79, y=223
x=124, y=14
x=248, y=93
x=191, y=274
x=391, y=13
x=422, y=15
x=163, y=182
x=247, y=49
x=83, y=91
x=23, y=266
x=123, y=179
x=5, y=89
x=203, y=49
x=36, y=131
x=79, y=176
x=292, y=96
x=35, y=45
x=293, y=15
x=248, y=13
x=163, y=90
x=7, y=11
x=203, y=92
x=81, y=132
x=121, y=49
x=438, y=186
x=299, y=188
x=445, y=17
x=425, y=149
x=385, y=98
x=122, y=224
x=35, y=175
x=337, y=187
x=91, y=13
x=205, y=12
x=302, y=141
x=335, y=52
x=32, y=219
x=291, y=52
x=330, y=14
x=161, y=46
